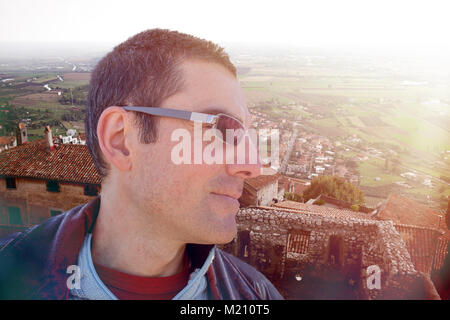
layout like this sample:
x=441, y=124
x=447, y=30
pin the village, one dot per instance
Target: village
x=306, y=154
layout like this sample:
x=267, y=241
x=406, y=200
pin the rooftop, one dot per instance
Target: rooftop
x=322, y=210
x=67, y=162
x=403, y=210
x=268, y=176
x=7, y=140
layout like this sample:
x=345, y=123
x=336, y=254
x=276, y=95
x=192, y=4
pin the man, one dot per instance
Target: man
x=151, y=234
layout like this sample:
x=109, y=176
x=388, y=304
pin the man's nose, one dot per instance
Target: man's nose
x=246, y=162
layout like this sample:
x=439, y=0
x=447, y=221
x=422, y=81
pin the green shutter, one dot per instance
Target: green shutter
x=14, y=216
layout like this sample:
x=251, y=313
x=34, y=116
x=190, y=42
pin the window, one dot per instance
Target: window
x=52, y=186
x=298, y=241
x=11, y=183
x=90, y=190
x=14, y=216
x=55, y=212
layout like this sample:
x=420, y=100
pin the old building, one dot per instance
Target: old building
x=404, y=210
x=7, y=142
x=426, y=242
x=261, y=190
x=20, y=138
x=423, y=230
x=315, y=252
x=320, y=252
x=294, y=185
x=21, y=134
x=38, y=180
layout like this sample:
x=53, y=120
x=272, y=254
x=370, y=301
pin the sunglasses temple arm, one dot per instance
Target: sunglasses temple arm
x=162, y=112
x=203, y=117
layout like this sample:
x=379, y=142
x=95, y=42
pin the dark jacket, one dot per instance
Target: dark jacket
x=33, y=263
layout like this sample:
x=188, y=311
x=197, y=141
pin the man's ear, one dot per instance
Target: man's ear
x=111, y=132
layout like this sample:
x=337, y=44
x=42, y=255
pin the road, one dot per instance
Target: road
x=287, y=155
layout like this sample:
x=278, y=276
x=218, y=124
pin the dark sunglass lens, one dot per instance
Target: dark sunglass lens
x=233, y=126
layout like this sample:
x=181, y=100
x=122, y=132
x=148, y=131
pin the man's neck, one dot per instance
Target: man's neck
x=124, y=243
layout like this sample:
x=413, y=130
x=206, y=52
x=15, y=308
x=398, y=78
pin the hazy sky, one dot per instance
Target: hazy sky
x=313, y=22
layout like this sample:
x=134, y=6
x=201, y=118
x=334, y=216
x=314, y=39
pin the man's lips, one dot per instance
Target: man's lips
x=234, y=196
x=225, y=199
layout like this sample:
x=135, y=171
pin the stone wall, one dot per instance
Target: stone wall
x=334, y=250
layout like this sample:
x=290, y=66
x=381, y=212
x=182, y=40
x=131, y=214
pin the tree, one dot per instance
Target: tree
x=335, y=187
x=293, y=197
x=319, y=202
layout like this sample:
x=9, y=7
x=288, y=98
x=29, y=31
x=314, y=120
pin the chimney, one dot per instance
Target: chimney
x=21, y=134
x=49, y=139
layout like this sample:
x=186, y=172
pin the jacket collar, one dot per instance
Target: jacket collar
x=63, y=248
x=56, y=244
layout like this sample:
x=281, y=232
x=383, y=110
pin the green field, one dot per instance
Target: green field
x=45, y=78
x=402, y=120
x=372, y=168
x=69, y=84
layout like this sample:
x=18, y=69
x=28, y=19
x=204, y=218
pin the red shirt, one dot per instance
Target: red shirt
x=129, y=287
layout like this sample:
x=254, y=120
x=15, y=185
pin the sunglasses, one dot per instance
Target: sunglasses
x=222, y=122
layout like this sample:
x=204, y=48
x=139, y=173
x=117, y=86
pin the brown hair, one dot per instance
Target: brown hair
x=143, y=71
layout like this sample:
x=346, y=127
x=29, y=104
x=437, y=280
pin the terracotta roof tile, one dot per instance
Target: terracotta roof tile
x=298, y=185
x=322, y=210
x=261, y=181
x=407, y=211
x=7, y=140
x=67, y=162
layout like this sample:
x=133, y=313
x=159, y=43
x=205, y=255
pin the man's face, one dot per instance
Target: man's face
x=192, y=203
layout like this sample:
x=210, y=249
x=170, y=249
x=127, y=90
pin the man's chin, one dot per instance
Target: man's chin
x=220, y=219
x=227, y=238
x=224, y=232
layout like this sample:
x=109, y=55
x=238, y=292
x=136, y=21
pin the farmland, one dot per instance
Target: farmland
x=405, y=114
x=39, y=97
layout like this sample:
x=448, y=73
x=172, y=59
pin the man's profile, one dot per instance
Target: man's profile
x=151, y=233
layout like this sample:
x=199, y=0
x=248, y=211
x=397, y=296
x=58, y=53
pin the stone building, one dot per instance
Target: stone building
x=21, y=137
x=294, y=185
x=427, y=240
x=262, y=190
x=423, y=230
x=7, y=142
x=315, y=252
x=38, y=181
x=21, y=134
